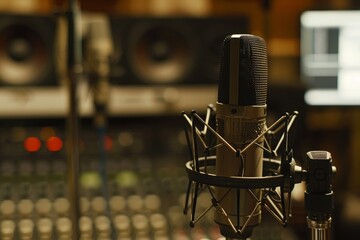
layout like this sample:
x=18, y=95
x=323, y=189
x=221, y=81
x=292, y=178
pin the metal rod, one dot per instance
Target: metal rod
x=274, y=211
x=216, y=133
x=292, y=120
x=319, y=234
x=262, y=134
x=194, y=147
x=186, y=207
x=74, y=68
x=193, y=212
x=320, y=230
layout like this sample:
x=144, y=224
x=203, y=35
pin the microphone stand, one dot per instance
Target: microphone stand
x=99, y=50
x=319, y=197
x=74, y=69
x=279, y=172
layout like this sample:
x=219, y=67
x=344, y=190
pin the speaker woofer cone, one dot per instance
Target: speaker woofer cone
x=180, y=51
x=161, y=54
x=26, y=50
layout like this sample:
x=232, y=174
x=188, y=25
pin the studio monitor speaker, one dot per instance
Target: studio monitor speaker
x=171, y=50
x=27, y=47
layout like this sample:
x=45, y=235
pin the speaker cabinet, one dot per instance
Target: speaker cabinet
x=170, y=51
x=27, y=47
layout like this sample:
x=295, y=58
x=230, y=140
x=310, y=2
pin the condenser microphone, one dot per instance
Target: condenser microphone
x=240, y=118
x=99, y=50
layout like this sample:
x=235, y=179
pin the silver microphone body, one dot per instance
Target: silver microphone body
x=240, y=118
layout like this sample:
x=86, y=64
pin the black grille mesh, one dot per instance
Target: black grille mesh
x=253, y=73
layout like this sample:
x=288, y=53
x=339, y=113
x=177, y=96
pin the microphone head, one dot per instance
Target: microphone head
x=243, y=71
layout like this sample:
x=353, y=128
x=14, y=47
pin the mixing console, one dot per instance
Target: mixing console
x=132, y=186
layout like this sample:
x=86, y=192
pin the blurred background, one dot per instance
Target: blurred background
x=143, y=62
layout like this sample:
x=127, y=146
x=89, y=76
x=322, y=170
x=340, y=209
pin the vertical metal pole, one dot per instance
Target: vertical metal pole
x=320, y=230
x=74, y=69
x=319, y=234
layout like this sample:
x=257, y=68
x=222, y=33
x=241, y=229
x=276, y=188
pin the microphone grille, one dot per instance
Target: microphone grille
x=249, y=59
x=259, y=68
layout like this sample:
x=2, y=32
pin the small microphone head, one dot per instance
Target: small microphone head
x=243, y=71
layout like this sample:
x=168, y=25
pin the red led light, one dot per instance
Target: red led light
x=32, y=144
x=54, y=144
x=108, y=143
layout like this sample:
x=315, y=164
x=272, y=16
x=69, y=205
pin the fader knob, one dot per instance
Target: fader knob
x=7, y=207
x=122, y=224
x=63, y=226
x=140, y=223
x=84, y=205
x=25, y=207
x=26, y=229
x=43, y=206
x=158, y=222
x=98, y=204
x=135, y=203
x=86, y=226
x=152, y=202
x=117, y=203
x=102, y=224
x=61, y=205
x=7, y=229
x=44, y=228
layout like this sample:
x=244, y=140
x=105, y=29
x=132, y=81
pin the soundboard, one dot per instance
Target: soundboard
x=131, y=187
x=144, y=189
